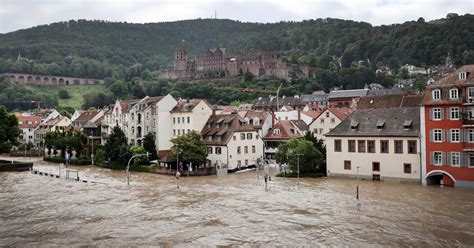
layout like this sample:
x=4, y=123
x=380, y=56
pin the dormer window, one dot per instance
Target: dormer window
x=436, y=94
x=354, y=124
x=407, y=124
x=256, y=121
x=453, y=94
x=380, y=125
x=463, y=75
x=276, y=131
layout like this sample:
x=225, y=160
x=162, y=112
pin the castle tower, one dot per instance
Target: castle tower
x=180, y=59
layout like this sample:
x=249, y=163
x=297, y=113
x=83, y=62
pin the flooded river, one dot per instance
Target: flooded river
x=233, y=210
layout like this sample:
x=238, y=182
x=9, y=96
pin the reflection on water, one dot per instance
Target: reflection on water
x=233, y=210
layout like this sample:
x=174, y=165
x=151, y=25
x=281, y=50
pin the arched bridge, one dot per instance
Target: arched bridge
x=51, y=80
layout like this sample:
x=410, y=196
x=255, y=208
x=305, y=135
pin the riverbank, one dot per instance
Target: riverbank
x=11, y=165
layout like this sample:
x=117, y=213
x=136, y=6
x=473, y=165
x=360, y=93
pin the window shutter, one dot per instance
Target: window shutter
x=461, y=159
x=431, y=157
x=431, y=114
x=443, y=158
x=461, y=135
x=449, y=110
x=443, y=135
x=448, y=132
x=449, y=159
x=465, y=136
x=431, y=135
x=442, y=113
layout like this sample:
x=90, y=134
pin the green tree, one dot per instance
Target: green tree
x=9, y=130
x=113, y=147
x=309, y=158
x=63, y=94
x=190, y=148
x=318, y=144
x=149, y=145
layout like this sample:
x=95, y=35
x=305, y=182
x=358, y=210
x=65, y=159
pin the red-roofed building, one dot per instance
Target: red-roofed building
x=28, y=125
x=447, y=130
x=327, y=120
x=282, y=131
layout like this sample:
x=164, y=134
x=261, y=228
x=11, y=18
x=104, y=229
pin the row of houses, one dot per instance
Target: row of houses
x=426, y=139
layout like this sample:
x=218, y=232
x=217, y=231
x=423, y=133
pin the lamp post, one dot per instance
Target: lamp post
x=357, y=190
x=127, y=170
x=298, y=166
x=92, y=140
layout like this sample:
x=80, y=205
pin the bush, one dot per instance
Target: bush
x=72, y=161
x=144, y=168
x=63, y=94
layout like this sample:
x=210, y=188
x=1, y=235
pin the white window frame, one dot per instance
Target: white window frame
x=436, y=94
x=470, y=94
x=454, y=113
x=439, y=161
x=440, y=133
x=455, y=159
x=462, y=75
x=453, y=93
x=469, y=160
x=469, y=113
x=454, y=135
x=437, y=114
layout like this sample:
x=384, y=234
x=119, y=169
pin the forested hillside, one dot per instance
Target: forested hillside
x=130, y=55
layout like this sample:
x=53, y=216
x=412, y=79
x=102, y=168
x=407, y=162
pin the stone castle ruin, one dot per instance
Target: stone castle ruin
x=217, y=63
x=30, y=79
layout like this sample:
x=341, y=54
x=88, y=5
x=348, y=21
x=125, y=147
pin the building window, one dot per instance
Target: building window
x=351, y=145
x=412, y=147
x=384, y=146
x=178, y=119
x=437, y=135
x=470, y=135
x=437, y=158
x=337, y=145
x=218, y=150
x=454, y=113
x=249, y=136
x=246, y=162
x=407, y=168
x=182, y=119
x=376, y=166
x=327, y=114
x=253, y=149
x=234, y=137
x=239, y=163
x=238, y=149
x=242, y=136
x=453, y=94
x=179, y=131
x=209, y=150
x=361, y=146
x=470, y=95
x=276, y=131
x=462, y=75
x=371, y=146
x=322, y=120
x=321, y=131
x=455, y=159
x=436, y=94
x=398, y=146
x=437, y=114
x=454, y=135
x=347, y=165
x=333, y=120
x=189, y=119
x=246, y=149
x=471, y=160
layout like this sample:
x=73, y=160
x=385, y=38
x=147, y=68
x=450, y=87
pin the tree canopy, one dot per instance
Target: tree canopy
x=9, y=130
x=309, y=157
x=190, y=148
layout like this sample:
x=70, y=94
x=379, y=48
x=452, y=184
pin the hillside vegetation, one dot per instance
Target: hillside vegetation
x=130, y=55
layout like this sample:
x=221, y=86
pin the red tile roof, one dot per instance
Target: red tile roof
x=287, y=131
x=341, y=113
x=29, y=121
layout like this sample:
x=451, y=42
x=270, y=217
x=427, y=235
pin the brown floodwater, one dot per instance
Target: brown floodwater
x=225, y=211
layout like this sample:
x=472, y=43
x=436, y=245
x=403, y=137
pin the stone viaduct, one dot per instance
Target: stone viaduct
x=50, y=80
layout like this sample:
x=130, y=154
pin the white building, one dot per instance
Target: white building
x=28, y=126
x=231, y=142
x=327, y=120
x=189, y=115
x=138, y=117
x=376, y=144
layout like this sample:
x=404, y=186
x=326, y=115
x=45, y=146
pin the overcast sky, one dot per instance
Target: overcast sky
x=20, y=14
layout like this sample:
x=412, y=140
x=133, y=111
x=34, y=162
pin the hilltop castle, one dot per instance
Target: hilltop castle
x=217, y=63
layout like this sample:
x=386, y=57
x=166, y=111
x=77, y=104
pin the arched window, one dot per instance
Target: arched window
x=133, y=116
x=139, y=117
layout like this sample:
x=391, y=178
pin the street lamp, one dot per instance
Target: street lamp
x=92, y=140
x=127, y=170
x=298, y=164
x=357, y=190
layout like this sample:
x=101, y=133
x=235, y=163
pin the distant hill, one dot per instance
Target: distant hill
x=66, y=47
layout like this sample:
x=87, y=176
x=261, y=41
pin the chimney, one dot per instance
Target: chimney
x=299, y=114
x=273, y=119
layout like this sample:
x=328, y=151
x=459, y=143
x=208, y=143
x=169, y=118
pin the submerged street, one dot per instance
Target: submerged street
x=232, y=210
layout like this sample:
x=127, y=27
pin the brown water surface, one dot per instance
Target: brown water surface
x=233, y=210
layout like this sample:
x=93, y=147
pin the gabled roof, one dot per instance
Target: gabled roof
x=389, y=101
x=314, y=98
x=222, y=128
x=313, y=114
x=87, y=115
x=347, y=93
x=287, y=131
x=29, y=121
x=300, y=124
x=187, y=105
x=341, y=113
x=363, y=123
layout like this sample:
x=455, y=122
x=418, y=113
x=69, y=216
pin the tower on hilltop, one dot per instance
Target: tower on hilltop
x=180, y=59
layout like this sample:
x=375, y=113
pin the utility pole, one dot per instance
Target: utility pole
x=278, y=101
x=92, y=140
x=359, y=205
x=298, y=166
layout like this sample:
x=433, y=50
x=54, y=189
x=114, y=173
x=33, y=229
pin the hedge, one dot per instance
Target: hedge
x=72, y=161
